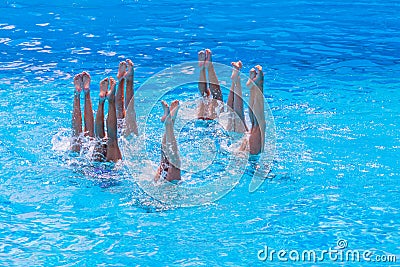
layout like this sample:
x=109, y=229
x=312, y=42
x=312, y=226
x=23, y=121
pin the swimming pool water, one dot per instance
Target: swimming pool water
x=331, y=82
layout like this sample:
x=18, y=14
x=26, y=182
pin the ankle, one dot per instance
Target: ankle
x=129, y=77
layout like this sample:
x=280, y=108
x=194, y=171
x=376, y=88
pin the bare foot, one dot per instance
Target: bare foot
x=208, y=59
x=259, y=79
x=78, y=83
x=121, y=70
x=174, y=109
x=103, y=89
x=129, y=72
x=166, y=110
x=86, y=81
x=111, y=93
x=237, y=66
x=252, y=76
x=202, y=58
x=260, y=74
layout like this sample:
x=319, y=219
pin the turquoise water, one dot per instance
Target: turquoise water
x=332, y=85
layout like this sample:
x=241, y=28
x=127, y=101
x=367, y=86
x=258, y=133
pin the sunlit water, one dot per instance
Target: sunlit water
x=332, y=84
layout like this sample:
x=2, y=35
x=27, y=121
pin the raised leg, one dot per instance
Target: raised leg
x=77, y=115
x=170, y=161
x=119, y=98
x=88, y=109
x=214, y=86
x=257, y=133
x=202, y=79
x=164, y=162
x=130, y=119
x=113, y=152
x=237, y=102
x=101, y=148
x=129, y=82
x=250, y=84
x=212, y=76
x=99, y=125
x=204, y=91
x=231, y=95
x=130, y=113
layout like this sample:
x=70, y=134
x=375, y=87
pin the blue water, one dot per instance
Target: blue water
x=332, y=83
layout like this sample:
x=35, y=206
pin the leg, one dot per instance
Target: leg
x=256, y=141
x=257, y=134
x=250, y=84
x=212, y=76
x=99, y=129
x=101, y=148
x=88, y=110
x=119, y=98
x=231, y=122
x=240, y=124
x=214, y=86
x=129, y=83
x=113, y=152
x=170, y=161
x=164, y=162
x=77, y=115
x=130, y=113
x=202, y=112
x=231, y=97
x=174, y=172
x=130, y=119
x=202, y=79
x=237, y=105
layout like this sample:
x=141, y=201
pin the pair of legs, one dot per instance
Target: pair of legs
x=208, y=109
x=125, y=76
x=256, y=110
x=235, y=100
x=169, y=168
x=82, y=82
x=111, y=151
x=123, y=106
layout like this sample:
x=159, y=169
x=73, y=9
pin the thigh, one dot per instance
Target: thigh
x=255, y=141
x=173, y=173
